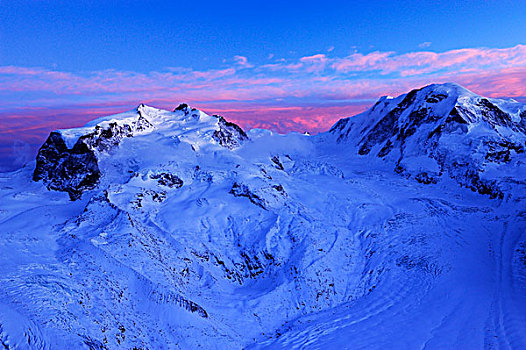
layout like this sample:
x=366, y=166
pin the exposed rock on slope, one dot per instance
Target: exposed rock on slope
x=229, y=135
x=70, y=170
x=441, y=129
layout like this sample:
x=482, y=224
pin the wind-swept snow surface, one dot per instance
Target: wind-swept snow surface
x=400, y=228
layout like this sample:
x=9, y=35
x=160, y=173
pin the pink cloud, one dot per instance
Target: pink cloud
x=213, y=74
x=314, y=58
x=314, y=63
x=361, y=62
x=424, y=44
x=308, y=93
x=242, y=61
x=423, y=62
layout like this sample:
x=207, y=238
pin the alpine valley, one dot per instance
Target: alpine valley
x=403, y=227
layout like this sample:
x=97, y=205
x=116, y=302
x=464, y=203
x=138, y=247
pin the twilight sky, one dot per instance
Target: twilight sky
x=286, y=65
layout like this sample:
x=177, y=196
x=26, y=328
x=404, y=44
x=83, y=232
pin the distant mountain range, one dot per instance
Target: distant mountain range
x=400, y=228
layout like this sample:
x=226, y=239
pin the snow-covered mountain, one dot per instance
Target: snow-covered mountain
x=400, y=228
x=443, y=129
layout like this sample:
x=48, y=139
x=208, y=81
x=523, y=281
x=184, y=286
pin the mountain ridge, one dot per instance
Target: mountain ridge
x=435, y=122
x=390, y=124
x=197, y=234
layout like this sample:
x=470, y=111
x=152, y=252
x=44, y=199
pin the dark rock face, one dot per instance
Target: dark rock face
x=501, y=152
x=523, y=120
x=76, y=170
x=241, y=190
x=181, y=107
x=457, y=119
x=168, y=180
x=457, y=115
x=277, y=162
x=386, y=127
x=425, y=178
x=229, y=135
x=104, y=139
x=249, y=265
x=339, y=126
x=69, y=170
x=435, y=97
x=493, y=115
x=416, y=119
x=174, y=298
x=468, y=177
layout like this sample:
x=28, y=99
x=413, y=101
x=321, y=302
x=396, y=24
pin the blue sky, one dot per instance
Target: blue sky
x=285, y=65
x=151, y=35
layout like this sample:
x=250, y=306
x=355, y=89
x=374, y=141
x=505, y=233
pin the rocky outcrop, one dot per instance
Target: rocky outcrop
x=229, y=135
x=386, y=126
x=164, y=297
x=248, y=265
x=241, y=190
x=503, y=151
x=68, y=170
x=167, y=180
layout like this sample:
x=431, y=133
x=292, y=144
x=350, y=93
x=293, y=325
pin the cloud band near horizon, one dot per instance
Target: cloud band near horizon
x=308, y=93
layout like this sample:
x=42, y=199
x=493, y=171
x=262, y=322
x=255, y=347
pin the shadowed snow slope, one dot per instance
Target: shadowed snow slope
x=400, y=228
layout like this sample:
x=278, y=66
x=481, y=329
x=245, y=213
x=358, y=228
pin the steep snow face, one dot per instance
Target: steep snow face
x=196, y=235
x=443, y=129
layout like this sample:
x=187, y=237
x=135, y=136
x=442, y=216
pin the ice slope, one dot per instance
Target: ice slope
x=197, y=235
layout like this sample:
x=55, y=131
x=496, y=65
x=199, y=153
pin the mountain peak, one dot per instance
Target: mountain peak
x=439, y=128
x=68, y=160
x=434, y=103
x=182, y=107
x=449, y=87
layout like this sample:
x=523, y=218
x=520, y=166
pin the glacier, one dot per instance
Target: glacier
x=399, y=228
